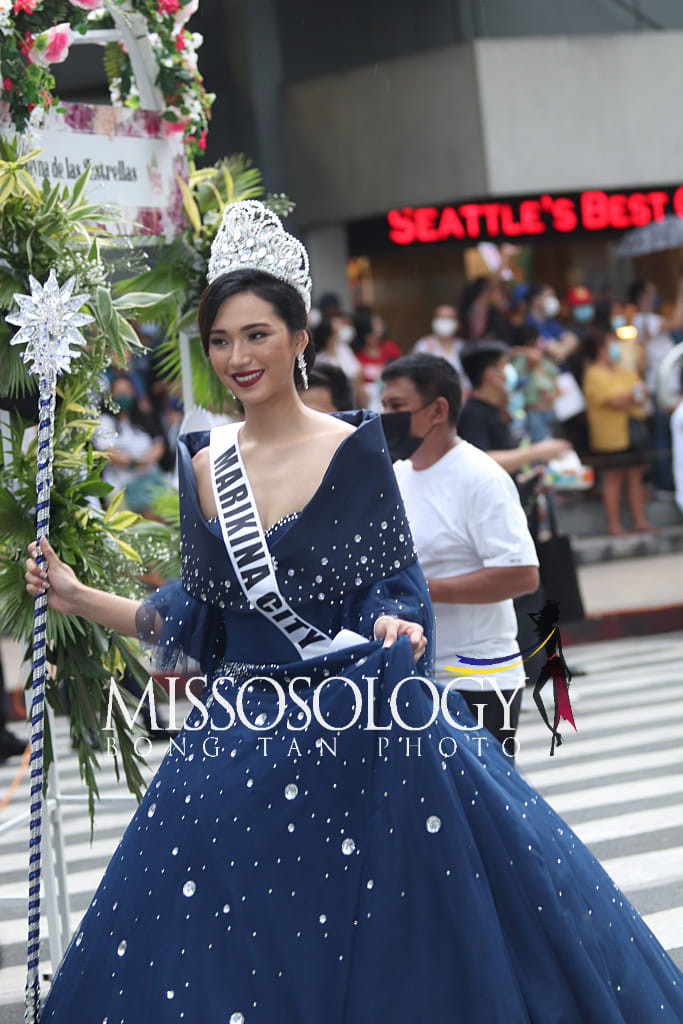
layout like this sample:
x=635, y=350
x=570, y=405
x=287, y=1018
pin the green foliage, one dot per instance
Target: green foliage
x=42, y=228
x=180, y=268
x=58, y=227
x=113, y=60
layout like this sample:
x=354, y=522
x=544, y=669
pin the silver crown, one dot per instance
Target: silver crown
x=251, y=236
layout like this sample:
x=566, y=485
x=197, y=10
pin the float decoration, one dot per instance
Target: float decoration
x=35, y=34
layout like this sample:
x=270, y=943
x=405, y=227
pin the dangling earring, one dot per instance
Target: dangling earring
x=301, y=363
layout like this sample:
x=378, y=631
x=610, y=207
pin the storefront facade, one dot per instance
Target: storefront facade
x=547, y=124
x=413, y=258
x=558, y=144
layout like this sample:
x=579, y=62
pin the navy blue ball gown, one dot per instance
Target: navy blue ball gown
x=284, y=868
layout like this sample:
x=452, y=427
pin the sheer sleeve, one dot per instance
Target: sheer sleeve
x=177, y=627
x=403, y=594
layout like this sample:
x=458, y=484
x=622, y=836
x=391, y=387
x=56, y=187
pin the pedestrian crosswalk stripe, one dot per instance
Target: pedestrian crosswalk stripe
x=623, y=695
x=626, y=762
x=666, y=713
x=14, y=930
x=633, y=823
x=535, y=757
x=667, y=925
x=616, y=793
x=640, y=870
x=75, y=852
x=12, y=981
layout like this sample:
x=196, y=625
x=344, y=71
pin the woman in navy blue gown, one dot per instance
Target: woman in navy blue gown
x=326, y=840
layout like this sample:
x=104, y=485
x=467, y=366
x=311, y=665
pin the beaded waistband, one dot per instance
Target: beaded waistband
x=240, y=669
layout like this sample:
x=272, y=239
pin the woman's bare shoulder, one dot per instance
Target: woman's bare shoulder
x=342, y=429
x=326, y=436
x=330, y=427
x=201, y=463
x=201, y=457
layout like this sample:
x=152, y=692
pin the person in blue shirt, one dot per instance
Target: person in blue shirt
x=544, y=307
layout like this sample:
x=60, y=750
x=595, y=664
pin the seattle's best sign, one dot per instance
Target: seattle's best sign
x=517, y=218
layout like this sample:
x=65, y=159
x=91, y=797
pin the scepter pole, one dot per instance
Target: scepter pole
x=46, y=406
x=48, y=319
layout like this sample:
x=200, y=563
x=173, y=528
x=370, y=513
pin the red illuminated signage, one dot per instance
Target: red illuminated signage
x=534, y=216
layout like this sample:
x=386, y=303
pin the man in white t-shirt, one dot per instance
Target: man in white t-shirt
x=471, y=538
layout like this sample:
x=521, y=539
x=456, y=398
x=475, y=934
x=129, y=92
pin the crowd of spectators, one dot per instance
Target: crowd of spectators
x=139, y=428
x=539, y=377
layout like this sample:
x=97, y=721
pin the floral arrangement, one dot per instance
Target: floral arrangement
x=44, y=227
x=35, y=34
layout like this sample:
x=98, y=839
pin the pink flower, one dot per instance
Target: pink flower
x=180, y=41
x=152, y=123
x=28, y=6
x=176, y=127
x=87, y=5
x=7, y=84
x=52, y=46
x=169, y=6
x=185, y=12
x=151, y=220
x=58, y=40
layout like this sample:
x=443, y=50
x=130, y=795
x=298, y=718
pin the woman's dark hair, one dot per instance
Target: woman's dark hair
x=603, y=315
x=592, y=342
x=333, y=378
x=470, y=294
x=362, y=322
x=433, y=377
x=284, y=299
x=636, y=290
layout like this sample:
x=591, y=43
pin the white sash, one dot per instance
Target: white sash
x=246, y=545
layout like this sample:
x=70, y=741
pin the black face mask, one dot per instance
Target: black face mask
x=400, y=442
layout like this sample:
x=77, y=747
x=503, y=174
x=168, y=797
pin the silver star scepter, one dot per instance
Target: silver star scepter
x=49, y=319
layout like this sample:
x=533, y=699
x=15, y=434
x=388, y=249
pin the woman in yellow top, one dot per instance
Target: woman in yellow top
x=613, y=395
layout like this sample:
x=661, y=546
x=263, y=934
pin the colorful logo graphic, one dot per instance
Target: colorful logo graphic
x=554, y=667
x=465, y=665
